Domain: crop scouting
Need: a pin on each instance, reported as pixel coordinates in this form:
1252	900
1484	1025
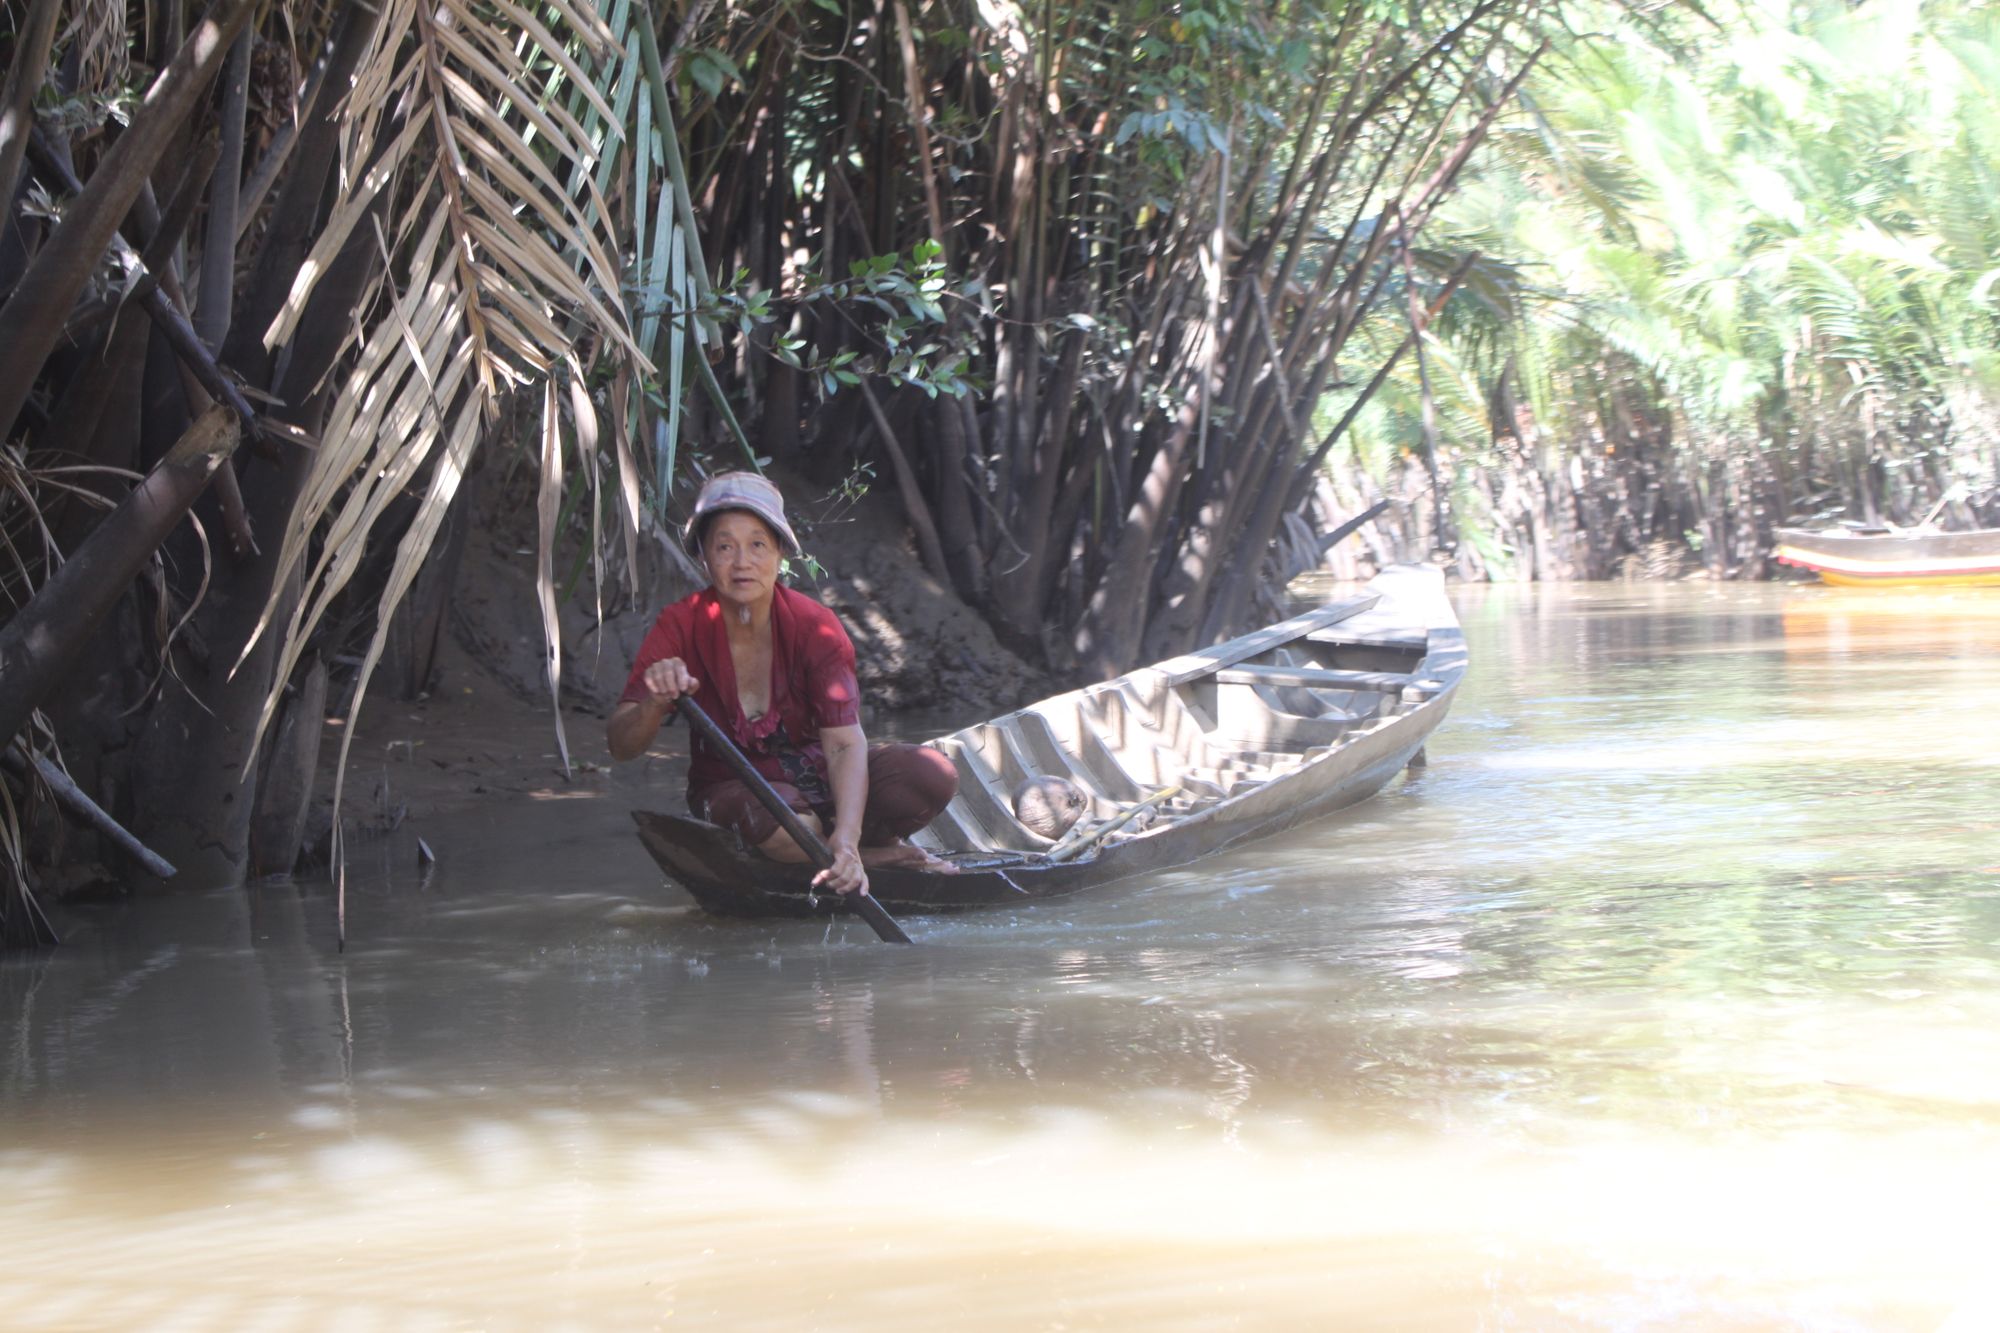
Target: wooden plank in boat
1109	768
1414	605
1193	666
1055	761
1354	708
948	832
979	801
1416	640
1119	745
1324	678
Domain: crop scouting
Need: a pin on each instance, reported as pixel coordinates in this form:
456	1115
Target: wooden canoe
1928	559
1255	735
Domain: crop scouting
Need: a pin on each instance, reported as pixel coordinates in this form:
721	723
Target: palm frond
459	143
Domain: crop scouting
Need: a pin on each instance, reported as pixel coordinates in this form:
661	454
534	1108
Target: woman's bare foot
903	856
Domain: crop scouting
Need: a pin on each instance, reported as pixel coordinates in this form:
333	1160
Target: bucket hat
739	490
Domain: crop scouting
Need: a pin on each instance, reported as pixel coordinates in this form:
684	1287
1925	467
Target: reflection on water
1667	996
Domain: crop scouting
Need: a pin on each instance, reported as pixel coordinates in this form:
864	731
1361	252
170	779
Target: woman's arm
847	774
635	722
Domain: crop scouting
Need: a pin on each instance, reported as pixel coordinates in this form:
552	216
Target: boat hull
723	877
1200	704
1948	559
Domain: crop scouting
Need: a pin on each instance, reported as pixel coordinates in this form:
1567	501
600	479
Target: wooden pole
869	910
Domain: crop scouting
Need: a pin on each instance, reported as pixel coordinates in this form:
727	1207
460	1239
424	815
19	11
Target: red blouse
812	681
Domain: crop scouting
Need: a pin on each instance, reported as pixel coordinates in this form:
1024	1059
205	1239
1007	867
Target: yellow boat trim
1853	573
1986	580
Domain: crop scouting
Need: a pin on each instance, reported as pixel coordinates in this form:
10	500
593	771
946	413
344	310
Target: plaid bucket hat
739	490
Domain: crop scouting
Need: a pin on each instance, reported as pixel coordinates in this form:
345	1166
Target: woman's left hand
846	874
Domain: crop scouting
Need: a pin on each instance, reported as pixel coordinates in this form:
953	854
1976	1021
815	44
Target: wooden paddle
876	915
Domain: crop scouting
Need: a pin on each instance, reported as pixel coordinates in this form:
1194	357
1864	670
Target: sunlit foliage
1753	282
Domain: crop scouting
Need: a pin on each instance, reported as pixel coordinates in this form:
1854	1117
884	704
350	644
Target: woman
775	669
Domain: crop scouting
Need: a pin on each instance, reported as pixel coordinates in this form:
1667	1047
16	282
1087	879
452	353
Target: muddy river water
1667	996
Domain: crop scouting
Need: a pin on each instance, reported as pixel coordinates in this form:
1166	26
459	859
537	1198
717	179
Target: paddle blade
877	917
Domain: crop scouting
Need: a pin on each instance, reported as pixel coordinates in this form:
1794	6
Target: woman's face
743	557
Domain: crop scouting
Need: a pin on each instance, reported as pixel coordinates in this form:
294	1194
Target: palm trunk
194	773
32	320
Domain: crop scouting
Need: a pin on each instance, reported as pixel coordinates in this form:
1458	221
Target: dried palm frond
23	922
486	195
32	489
96	31
548	507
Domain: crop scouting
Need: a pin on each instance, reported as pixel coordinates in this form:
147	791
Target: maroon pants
908	787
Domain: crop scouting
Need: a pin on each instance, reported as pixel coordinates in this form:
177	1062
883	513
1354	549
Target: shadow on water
1668	995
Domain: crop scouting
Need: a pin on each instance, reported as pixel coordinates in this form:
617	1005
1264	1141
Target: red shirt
812	681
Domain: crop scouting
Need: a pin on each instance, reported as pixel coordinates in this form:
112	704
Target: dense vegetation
1747	279
1129	303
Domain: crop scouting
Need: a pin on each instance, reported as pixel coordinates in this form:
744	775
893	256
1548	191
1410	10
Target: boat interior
1201	729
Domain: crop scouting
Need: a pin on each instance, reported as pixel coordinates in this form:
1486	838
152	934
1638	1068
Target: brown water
1667	997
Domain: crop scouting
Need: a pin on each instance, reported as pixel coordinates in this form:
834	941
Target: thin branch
32	319
914	506
17	103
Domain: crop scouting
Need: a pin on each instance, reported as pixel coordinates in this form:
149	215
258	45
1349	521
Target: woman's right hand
667	680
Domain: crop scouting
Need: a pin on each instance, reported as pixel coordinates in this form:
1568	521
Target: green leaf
706	73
